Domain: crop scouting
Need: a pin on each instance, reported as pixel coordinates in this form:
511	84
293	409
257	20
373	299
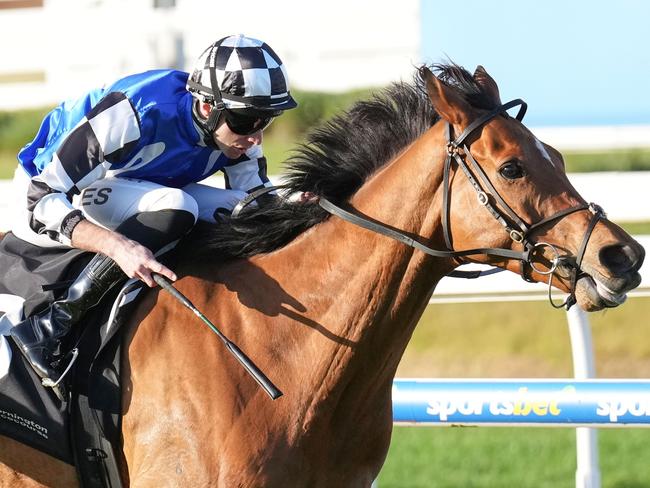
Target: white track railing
623	195
583	402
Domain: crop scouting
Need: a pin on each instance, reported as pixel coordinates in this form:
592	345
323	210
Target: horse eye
511	170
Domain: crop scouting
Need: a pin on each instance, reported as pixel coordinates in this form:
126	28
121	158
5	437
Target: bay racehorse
326	306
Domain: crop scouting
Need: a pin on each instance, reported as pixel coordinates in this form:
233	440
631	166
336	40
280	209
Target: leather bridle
518	230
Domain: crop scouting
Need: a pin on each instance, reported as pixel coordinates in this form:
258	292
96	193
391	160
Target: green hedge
314	108
17	128
615	160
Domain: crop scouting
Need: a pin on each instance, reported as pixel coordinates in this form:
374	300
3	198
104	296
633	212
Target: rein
518	230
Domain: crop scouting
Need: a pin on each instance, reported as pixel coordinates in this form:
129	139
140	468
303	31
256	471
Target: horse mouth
595	292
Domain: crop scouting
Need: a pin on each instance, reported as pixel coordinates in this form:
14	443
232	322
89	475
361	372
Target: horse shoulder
169	389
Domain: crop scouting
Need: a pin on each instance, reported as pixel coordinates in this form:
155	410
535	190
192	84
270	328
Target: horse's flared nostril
622	258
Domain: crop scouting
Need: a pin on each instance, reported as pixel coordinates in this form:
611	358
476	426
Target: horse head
513	194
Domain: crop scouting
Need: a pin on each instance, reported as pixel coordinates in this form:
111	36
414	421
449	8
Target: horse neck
368	290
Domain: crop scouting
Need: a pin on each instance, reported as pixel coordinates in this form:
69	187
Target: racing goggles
245	125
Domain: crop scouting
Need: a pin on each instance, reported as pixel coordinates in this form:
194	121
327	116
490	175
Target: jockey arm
108	132
135	260
248	173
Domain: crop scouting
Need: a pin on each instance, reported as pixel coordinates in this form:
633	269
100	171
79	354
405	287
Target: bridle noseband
487	195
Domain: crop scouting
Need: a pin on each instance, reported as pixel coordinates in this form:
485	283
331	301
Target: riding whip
244	360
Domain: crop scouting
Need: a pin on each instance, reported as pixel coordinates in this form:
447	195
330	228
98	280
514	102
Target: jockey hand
307	197
139	262
135	260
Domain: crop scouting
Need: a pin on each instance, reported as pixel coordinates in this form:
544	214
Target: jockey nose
256	138
622	258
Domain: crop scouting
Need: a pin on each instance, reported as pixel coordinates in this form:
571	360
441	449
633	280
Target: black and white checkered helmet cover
248	72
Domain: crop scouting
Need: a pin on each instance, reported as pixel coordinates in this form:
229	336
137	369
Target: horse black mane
334	162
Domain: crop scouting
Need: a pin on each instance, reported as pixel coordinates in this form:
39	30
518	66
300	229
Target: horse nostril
621	258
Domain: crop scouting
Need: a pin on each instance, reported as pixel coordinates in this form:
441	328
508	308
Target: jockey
116	172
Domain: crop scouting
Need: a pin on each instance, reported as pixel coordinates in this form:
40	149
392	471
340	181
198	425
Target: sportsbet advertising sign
596	403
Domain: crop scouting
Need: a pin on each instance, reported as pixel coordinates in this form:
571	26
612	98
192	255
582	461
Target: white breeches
110	201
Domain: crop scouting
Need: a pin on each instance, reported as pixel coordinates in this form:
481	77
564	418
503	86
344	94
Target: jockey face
231	143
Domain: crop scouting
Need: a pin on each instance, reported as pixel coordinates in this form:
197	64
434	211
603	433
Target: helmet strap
210	125
213	119
217	103
207	126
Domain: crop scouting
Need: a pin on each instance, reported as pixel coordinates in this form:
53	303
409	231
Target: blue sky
574	62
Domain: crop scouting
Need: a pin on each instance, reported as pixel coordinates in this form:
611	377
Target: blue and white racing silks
139	127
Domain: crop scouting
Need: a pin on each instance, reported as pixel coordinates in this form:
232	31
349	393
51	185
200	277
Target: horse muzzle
606	285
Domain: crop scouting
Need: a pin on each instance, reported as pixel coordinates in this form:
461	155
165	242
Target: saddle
83	426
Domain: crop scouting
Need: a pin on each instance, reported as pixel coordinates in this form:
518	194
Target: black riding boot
40	337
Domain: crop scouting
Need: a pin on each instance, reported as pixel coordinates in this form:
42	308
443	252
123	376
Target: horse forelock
334	162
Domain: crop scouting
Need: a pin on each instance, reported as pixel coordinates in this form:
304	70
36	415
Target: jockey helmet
241	74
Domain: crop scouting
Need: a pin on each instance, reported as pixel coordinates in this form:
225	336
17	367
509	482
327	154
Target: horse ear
487	83
447	101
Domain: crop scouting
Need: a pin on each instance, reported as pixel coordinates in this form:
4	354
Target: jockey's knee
222	203
156	229
169	199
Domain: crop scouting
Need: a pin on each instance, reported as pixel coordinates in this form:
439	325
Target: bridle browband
518	230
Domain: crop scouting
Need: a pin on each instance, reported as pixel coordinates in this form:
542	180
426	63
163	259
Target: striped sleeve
248	172
107	134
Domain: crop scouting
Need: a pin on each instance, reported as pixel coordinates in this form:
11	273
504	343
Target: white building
53	49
